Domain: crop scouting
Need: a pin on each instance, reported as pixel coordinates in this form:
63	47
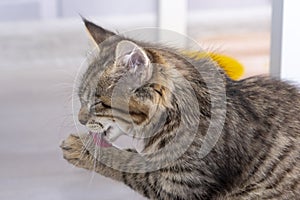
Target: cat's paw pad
73	149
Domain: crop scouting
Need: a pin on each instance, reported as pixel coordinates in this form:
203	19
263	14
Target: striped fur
256	157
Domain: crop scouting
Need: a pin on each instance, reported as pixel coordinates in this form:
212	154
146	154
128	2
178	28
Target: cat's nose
83	115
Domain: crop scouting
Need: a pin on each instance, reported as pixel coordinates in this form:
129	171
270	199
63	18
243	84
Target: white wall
290	62
17	10
229	4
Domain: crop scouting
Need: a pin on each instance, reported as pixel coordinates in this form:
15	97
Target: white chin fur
114	132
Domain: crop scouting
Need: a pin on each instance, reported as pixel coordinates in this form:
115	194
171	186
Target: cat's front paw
74	151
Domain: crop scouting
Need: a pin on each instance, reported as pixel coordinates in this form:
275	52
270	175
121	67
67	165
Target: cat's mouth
100	139
106	136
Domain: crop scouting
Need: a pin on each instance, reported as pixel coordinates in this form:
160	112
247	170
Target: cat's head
125	88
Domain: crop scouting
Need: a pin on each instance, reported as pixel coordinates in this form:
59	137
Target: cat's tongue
99	140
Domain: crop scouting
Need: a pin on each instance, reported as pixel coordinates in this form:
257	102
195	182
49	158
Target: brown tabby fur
256	157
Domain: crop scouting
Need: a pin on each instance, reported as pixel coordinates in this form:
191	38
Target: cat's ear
135	59
97	33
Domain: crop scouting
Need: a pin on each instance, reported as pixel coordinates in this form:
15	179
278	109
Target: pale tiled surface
37	69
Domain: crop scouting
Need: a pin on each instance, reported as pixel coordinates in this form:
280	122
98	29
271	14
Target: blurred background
42	45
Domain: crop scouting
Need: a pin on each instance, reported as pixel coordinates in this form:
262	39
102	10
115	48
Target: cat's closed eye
97	103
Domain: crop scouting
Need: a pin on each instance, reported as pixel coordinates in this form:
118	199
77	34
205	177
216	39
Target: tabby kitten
154	92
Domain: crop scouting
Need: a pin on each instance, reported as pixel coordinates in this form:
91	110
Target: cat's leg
75	153
151	184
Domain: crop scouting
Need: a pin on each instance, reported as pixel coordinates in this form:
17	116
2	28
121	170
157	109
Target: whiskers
95	156
96	159
94	151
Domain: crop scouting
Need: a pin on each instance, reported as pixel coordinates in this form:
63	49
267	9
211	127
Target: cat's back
267	100
269	123
267	93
